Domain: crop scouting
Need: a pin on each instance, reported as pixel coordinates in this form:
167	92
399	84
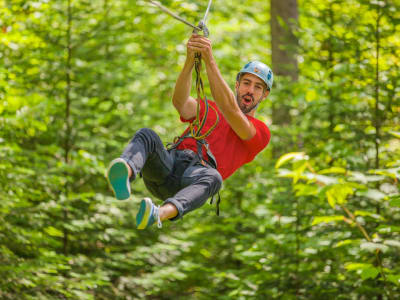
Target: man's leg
168	211
200	183
145	152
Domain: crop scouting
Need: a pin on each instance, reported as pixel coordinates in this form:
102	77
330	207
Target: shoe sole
144	213
118	178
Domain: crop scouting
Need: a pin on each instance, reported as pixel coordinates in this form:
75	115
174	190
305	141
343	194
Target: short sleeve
202	108
260	140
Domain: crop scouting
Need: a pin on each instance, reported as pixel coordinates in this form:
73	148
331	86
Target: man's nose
251	89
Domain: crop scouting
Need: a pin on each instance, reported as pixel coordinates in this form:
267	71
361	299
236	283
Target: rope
196	132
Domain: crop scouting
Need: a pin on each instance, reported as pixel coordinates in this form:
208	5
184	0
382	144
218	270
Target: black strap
218	202
200	143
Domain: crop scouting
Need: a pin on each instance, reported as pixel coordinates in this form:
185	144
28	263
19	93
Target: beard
246	108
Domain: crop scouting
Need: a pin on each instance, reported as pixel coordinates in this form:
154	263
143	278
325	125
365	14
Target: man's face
250	91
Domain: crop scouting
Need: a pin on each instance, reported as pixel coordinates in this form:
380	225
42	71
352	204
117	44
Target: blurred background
315	216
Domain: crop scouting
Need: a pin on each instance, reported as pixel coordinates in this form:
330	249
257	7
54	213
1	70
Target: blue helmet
259	69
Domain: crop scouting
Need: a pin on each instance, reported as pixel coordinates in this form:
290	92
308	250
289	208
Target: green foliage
78	78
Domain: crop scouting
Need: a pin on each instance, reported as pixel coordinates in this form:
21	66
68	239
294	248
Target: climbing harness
196	127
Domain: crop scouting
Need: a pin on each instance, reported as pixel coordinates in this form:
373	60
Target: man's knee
148	132
215	179
149	137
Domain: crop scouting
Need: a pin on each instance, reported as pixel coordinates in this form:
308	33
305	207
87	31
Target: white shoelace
157	215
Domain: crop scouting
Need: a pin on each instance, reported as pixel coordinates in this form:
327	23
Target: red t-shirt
229	150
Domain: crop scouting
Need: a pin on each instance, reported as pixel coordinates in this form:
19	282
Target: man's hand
200	44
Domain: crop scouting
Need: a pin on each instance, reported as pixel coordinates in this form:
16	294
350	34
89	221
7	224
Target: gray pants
169	175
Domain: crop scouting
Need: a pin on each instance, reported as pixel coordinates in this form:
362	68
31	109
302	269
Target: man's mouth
247	99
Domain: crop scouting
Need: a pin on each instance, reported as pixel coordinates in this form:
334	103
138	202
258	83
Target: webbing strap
218	202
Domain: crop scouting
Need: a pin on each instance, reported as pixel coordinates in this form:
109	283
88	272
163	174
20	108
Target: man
185	177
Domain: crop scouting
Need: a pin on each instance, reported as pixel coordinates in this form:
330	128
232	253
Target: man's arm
222	94
184	104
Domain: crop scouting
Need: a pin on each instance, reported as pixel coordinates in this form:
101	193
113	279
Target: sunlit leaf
305	189
337	194
357	266
345	243
395	133
288	157
54	232
368	214
333	170
311	95
326	219
392	173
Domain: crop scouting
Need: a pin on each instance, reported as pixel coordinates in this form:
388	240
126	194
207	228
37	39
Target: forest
316	215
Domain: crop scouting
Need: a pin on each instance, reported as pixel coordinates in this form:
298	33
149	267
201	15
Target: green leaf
311	95
338	193
333	170
339	128
394	278
368	214
395	202
395	133
288	157
391	173
54	231
305	190
326	219
298	172
370	272
388	229
357	266
345	243
331	198
366	271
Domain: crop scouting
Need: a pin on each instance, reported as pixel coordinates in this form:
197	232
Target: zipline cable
172	14
206	14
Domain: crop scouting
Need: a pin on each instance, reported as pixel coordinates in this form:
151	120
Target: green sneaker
148	214
117	176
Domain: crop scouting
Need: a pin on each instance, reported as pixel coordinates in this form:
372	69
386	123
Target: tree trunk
284	21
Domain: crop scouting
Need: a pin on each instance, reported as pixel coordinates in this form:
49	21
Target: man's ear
237	84
266	93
